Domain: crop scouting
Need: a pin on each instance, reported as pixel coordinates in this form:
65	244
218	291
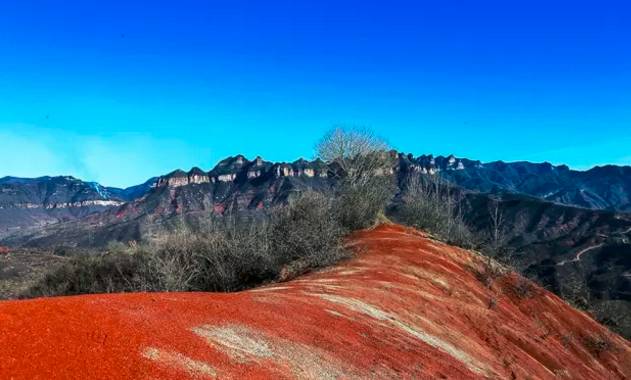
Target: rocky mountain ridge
606	187
229	169
242	183
602	187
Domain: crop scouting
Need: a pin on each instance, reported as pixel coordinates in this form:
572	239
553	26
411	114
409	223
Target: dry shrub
598	344
487	271
228	254
362	166
359	204
431	204
306	234
98	273
523	288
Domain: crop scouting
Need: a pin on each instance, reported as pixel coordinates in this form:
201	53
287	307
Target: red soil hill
405	307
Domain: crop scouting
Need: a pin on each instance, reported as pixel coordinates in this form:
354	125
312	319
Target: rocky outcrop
228	170
174	179
180	178
231	168
51	206
197	176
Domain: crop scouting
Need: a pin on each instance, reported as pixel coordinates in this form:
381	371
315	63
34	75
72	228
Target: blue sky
120	91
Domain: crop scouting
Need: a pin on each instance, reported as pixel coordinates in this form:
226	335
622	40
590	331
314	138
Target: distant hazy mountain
26	202
606	187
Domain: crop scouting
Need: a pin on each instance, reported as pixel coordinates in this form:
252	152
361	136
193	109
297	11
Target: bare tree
497	228
350	148
357	153
363	164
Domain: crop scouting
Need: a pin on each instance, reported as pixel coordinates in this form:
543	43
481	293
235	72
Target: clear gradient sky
119	91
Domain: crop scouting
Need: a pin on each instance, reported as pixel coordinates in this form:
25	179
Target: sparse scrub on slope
305	234
358	205
431	205
228	254
98	273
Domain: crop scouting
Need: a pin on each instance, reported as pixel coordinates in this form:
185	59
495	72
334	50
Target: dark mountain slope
35	202
607	187
583	255
32	203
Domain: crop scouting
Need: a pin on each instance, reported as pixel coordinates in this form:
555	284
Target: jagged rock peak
238	160
197	175
181	178
431	164
175	178
196	171
179	173
301	163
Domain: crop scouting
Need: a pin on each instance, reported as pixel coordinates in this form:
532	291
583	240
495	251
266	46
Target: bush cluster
431	205
358	205
105	273
228	254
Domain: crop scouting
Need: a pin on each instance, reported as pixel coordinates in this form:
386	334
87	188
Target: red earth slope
405	307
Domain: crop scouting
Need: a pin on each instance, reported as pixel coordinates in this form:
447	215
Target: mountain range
49	210
42	201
